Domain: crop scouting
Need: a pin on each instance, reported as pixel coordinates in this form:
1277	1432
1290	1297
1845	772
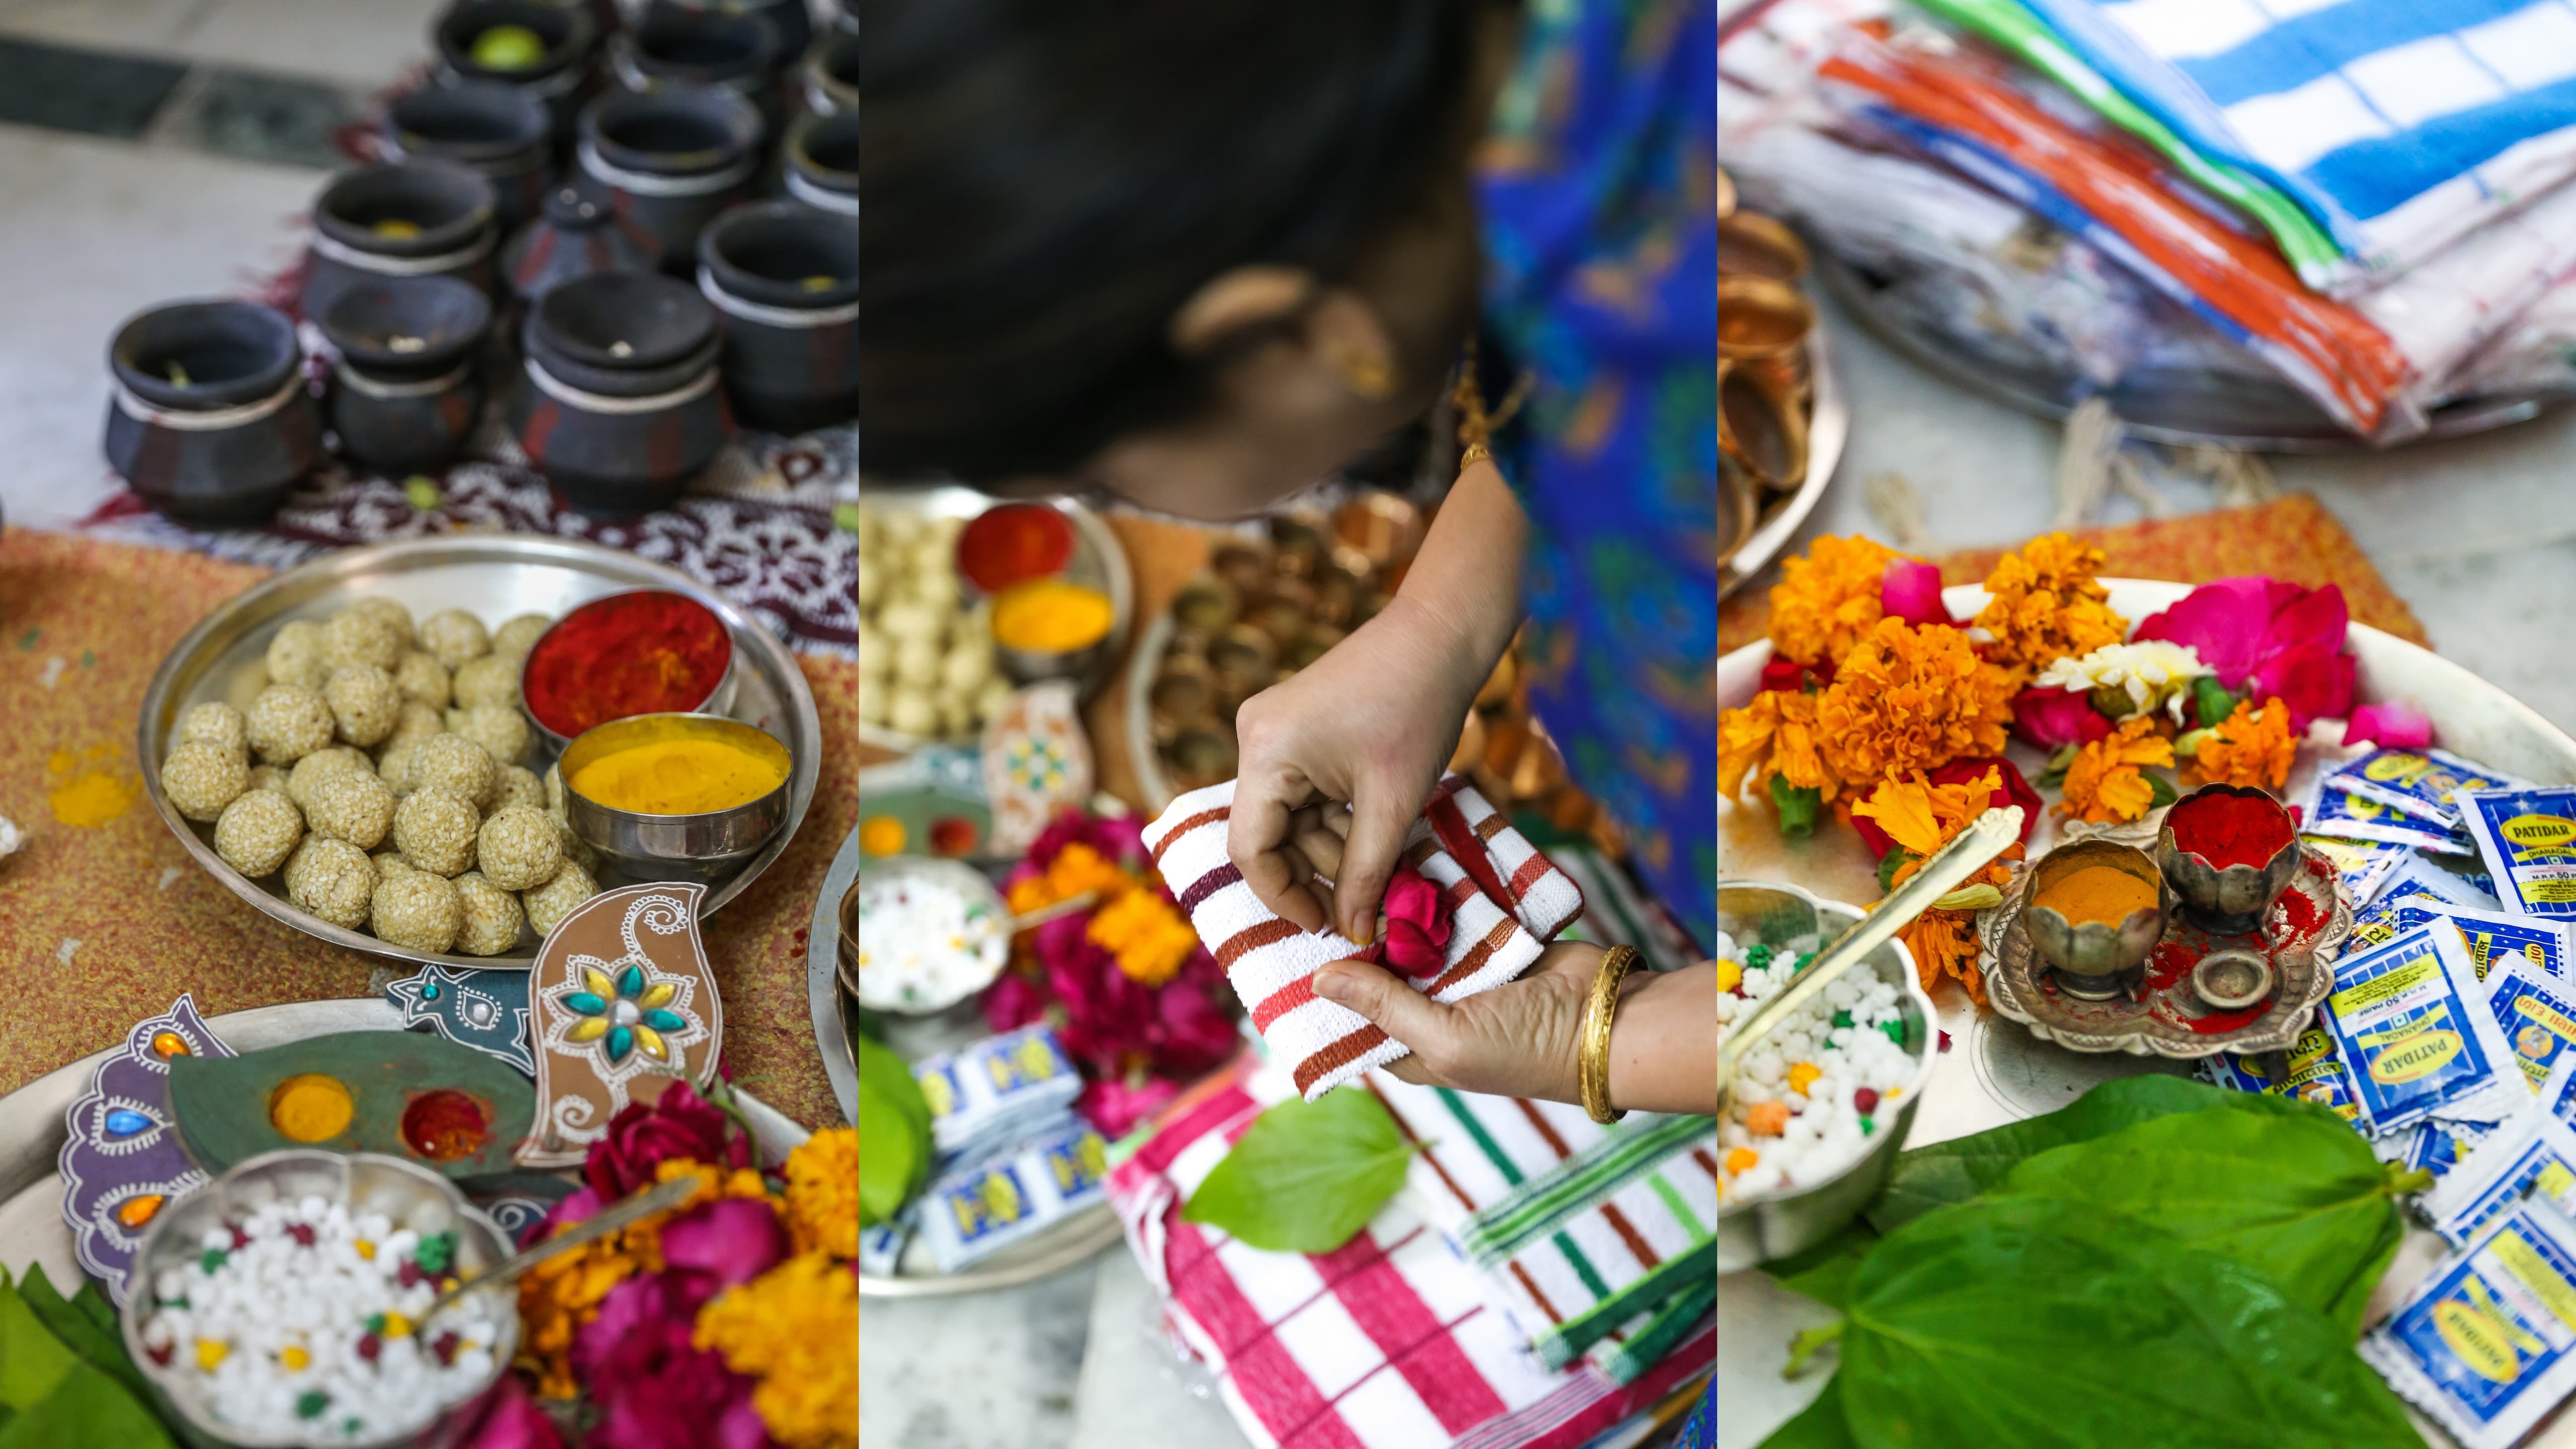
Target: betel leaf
1820	1425
32	1360
890	1152
87	1410
101	1348
887	1072
2024	1321
1307	1176
2299	1197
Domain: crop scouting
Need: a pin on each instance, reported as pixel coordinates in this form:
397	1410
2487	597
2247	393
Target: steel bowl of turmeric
1052	628
676	796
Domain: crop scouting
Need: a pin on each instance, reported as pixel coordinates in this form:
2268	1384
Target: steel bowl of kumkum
2094	910
645	651
2228	851
676	796
286	1304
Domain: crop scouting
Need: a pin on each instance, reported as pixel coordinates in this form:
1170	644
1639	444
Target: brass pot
1206	604
1753	245
1760	317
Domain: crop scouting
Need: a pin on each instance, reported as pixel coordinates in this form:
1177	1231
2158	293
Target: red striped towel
1505	901
1383	1343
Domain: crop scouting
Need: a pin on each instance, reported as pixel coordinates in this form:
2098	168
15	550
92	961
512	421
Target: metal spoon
642	1205
1964	856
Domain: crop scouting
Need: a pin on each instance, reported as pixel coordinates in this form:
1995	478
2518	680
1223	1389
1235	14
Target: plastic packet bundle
997	1089
2536	1016
969	1214
2364	865
2486	1344
2409	1020
2424	783
2532	1153
2528	839
2315	1073
2331	809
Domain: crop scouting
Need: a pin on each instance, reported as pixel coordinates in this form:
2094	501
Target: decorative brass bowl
2231	901
2093	959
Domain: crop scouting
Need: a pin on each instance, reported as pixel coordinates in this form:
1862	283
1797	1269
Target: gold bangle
1592	1054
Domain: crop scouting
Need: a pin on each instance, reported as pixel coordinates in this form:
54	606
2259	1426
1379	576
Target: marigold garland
1828	601
2044	605
823	1193
2105	781
1909	698
1774	735
794	1328
2250	747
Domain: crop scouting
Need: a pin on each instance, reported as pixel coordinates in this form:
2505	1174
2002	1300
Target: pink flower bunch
653	1389
2265	639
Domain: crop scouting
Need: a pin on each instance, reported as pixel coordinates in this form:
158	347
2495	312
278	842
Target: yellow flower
1075	869
1944	943
1922	816
823	1193
2250	747
795	1329
1828	601
1146	934
1774	735
1909	699
2044	606
2104	782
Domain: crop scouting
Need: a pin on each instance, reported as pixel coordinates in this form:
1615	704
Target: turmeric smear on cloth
89	797
678	777
2098	893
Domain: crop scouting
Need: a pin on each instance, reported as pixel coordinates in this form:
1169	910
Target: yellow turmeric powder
1050	616
2097	893
311	1107
684	776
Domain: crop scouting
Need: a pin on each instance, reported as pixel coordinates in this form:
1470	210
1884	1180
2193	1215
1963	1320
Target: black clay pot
832	74
790	20
680	45
499	133
823	164
617	403
556	78
671	159
787	279
209	419
406	395
577	236
399	219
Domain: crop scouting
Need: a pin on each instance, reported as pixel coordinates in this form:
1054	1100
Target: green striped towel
1595	1239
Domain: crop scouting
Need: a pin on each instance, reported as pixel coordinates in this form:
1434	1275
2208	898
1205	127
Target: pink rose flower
731	1240
1192	1031
2396	725
2267	639
1417	930
1115	1107
1911	590
1015	1001
652	1388
681	1124
2046	719
512	1420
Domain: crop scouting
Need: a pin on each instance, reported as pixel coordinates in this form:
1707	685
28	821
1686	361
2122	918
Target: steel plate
494	576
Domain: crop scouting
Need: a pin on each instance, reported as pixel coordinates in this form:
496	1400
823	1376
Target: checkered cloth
1504	898
1588	1235
2400	125
1383	1343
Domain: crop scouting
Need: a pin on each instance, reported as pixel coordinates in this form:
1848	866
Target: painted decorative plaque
123	1161
485	1010
1037	761
625	1005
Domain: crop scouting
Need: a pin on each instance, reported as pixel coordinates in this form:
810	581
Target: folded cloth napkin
1596	1239
1383	1343
1502	899
2400	125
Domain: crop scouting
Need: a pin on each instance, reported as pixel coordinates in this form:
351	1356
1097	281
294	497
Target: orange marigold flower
1827	601
2106	780
2250	747
1774	735
1922	816
1944	943
2045	606
1909	698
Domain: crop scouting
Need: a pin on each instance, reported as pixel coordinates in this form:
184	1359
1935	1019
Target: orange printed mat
105	919
2293	539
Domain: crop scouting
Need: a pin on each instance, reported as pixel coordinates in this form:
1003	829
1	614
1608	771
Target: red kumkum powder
649	652
2230	830
445	1124
1012	544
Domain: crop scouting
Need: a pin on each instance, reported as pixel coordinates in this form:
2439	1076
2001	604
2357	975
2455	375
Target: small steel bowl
1199	758
1080	664
2233	901
412	1196
2232	980
1246	565
1207	604
674	847
719	700
1182	695
966	881
1244	653
2093	958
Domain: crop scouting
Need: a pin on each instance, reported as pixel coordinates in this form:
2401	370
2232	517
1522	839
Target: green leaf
2210	701
2024	1321
94	1304
1823	1272
87	1410
1820	1425
2054	773
101	1348
32	1360
890	1153
2164	793
1889	864
892	1080
2298	1197
1307	1176
1797	806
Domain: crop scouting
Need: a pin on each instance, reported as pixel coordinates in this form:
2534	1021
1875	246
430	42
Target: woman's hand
1372	723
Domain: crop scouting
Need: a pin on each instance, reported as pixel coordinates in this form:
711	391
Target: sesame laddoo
520	635
423	680
500	729
395	616
548	904
575	849
492	679
489	916
288	722
555	792
454	762
258	831
394	761
518	785
215	724
387	863
364	703
417	721
331	879
315	767
202	778
455	636
354	636
434	829
351	805
416	910
518	848
267	777
295	656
